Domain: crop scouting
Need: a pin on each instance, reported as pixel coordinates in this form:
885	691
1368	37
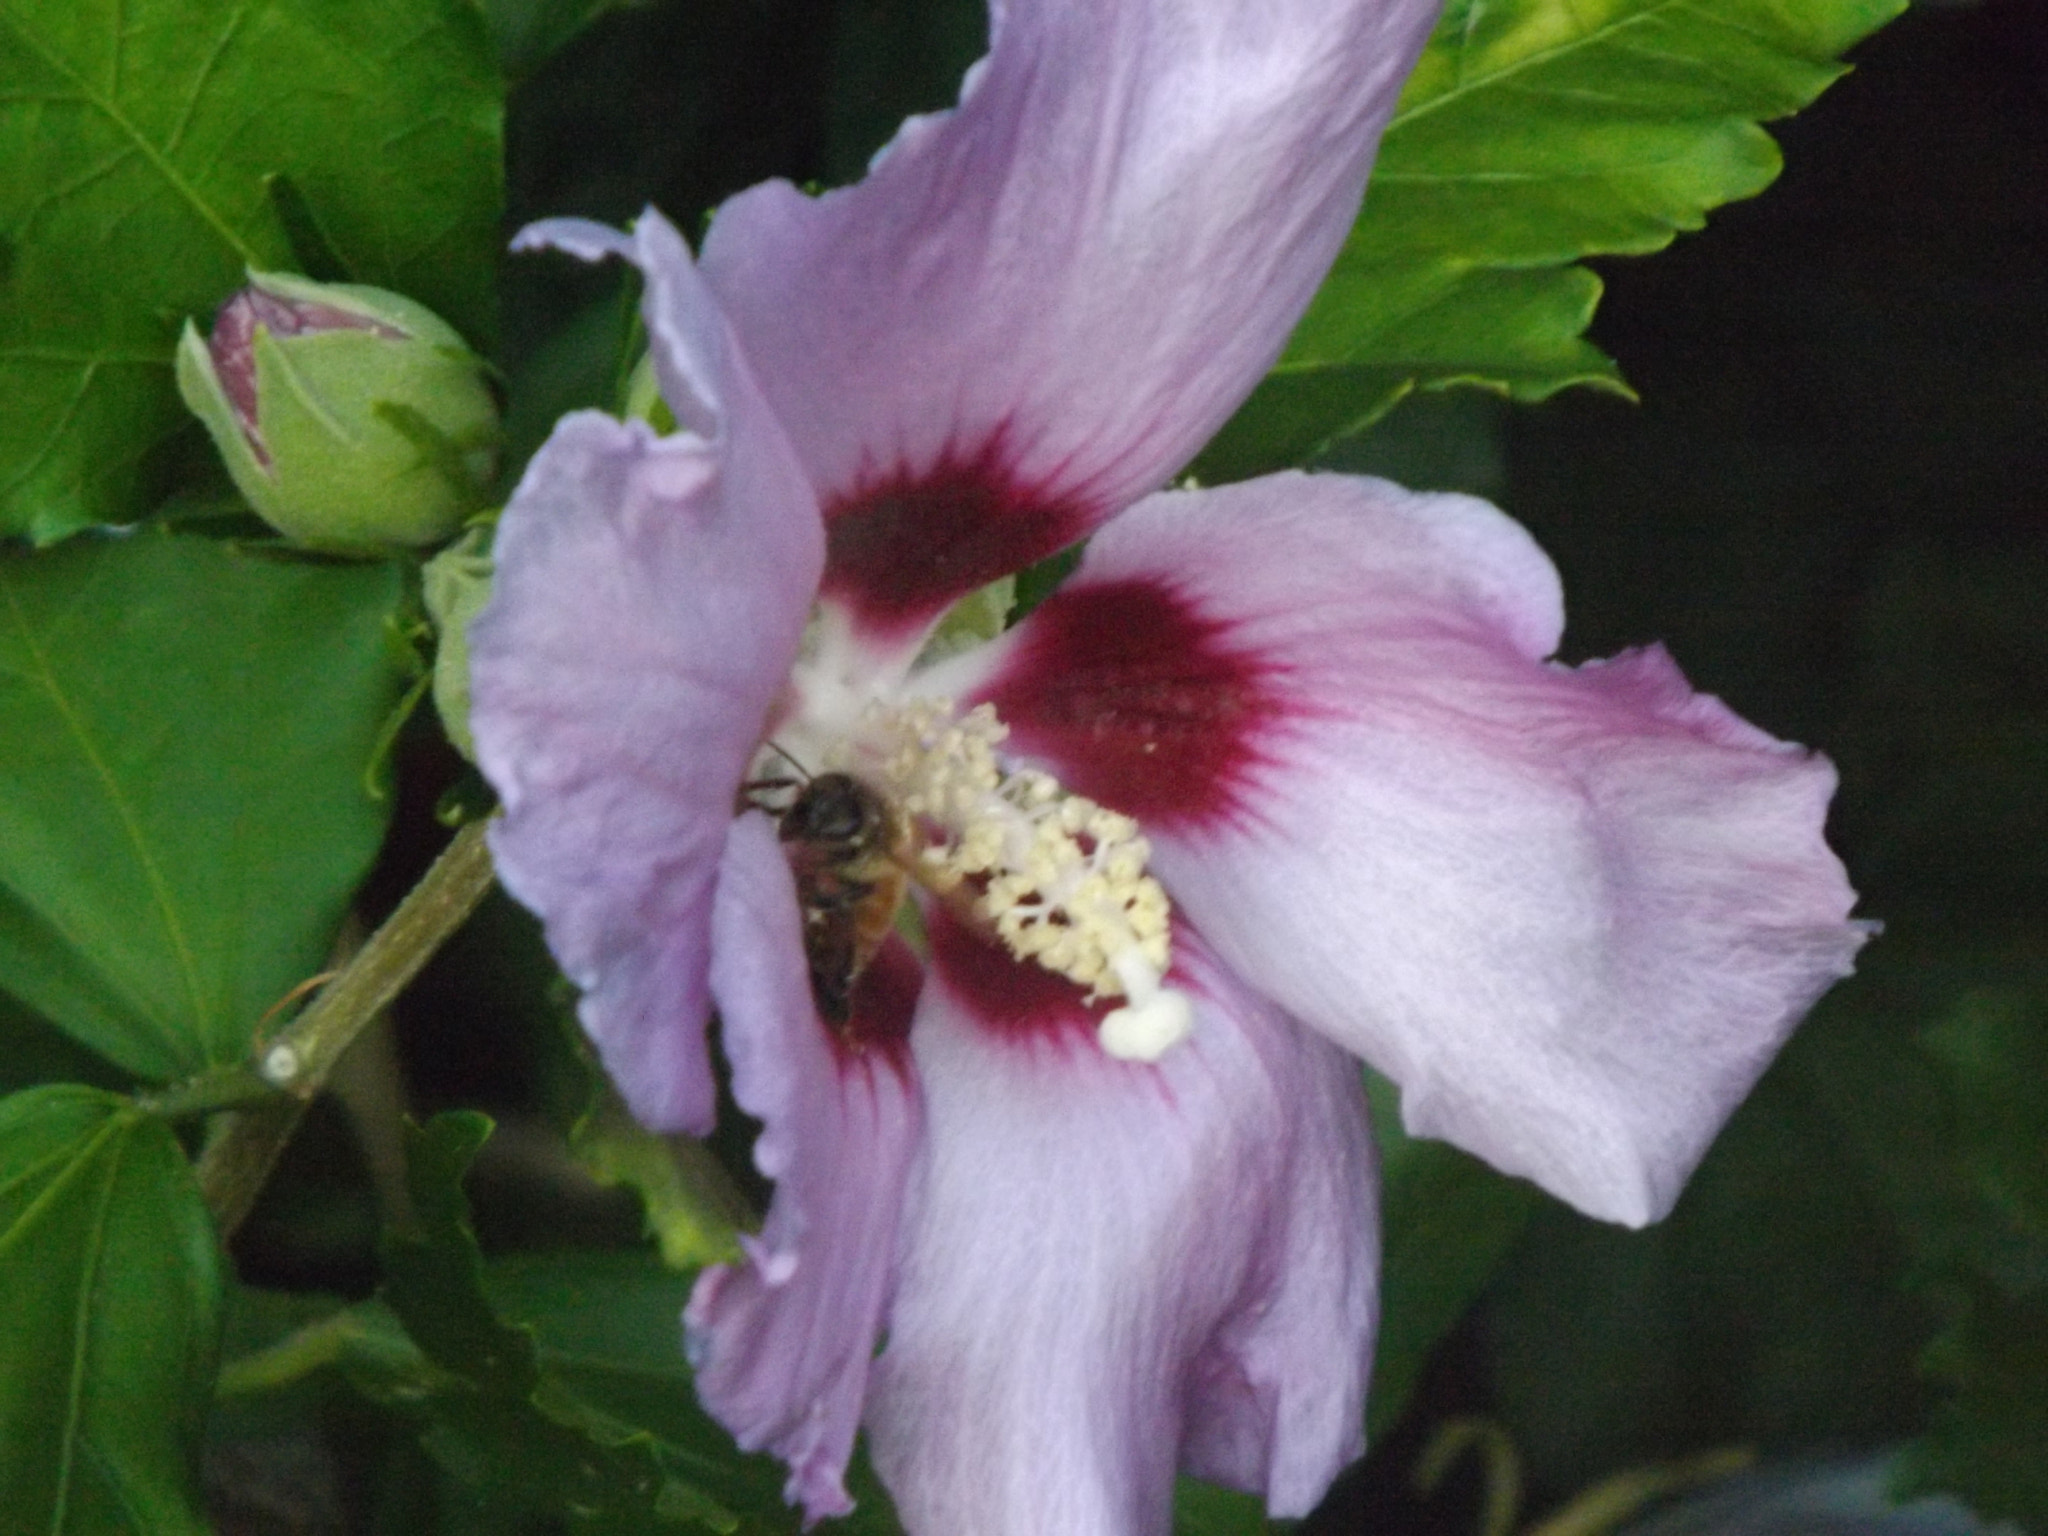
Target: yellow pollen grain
1062	881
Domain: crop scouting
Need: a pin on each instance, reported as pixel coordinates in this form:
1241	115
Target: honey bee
843	842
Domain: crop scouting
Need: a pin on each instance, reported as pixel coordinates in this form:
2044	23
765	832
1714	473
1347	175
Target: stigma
1051	876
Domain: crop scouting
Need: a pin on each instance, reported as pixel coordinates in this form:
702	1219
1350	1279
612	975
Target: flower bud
347	415
455	585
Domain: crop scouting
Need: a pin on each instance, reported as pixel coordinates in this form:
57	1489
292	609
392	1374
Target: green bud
456	584
347	415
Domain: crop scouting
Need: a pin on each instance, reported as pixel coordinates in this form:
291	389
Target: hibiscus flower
1282	772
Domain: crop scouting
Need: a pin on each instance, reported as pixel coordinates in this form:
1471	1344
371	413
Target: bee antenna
789	758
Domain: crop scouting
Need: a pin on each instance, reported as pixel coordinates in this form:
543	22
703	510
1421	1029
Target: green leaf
1765	1310
1986	1442
434	1277
146	142
1933	1065
110	1284
33	1050
1447	1221
603	1333
1934	1068
1203	1509
607	1328
520	1440
183	731
1532	133
694	1213
1984	1253
1994	1047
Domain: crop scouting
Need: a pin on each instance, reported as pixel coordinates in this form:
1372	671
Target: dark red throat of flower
1143	701
882	1002
902	548
1012	998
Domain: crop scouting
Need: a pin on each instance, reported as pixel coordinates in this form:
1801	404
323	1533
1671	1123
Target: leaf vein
62	1154
159	887
80	1160
1468	41
158	159
120	39
56	434
206	72
78	183
1588	36
81	1336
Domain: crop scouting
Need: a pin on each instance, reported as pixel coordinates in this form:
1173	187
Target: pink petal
1572	912
649	598
1112	1270
1039	305
782	1342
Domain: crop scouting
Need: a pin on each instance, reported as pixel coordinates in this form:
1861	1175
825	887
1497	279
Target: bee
843	842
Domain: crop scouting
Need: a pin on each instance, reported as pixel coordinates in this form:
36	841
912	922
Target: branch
238	1160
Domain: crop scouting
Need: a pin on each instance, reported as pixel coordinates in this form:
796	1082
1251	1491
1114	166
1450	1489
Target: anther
1057	879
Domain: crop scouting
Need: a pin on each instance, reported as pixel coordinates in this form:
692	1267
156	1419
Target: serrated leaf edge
1648	13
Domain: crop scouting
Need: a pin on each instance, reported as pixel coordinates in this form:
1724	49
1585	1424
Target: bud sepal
347	415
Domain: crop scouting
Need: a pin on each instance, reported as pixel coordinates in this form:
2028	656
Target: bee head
834	810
